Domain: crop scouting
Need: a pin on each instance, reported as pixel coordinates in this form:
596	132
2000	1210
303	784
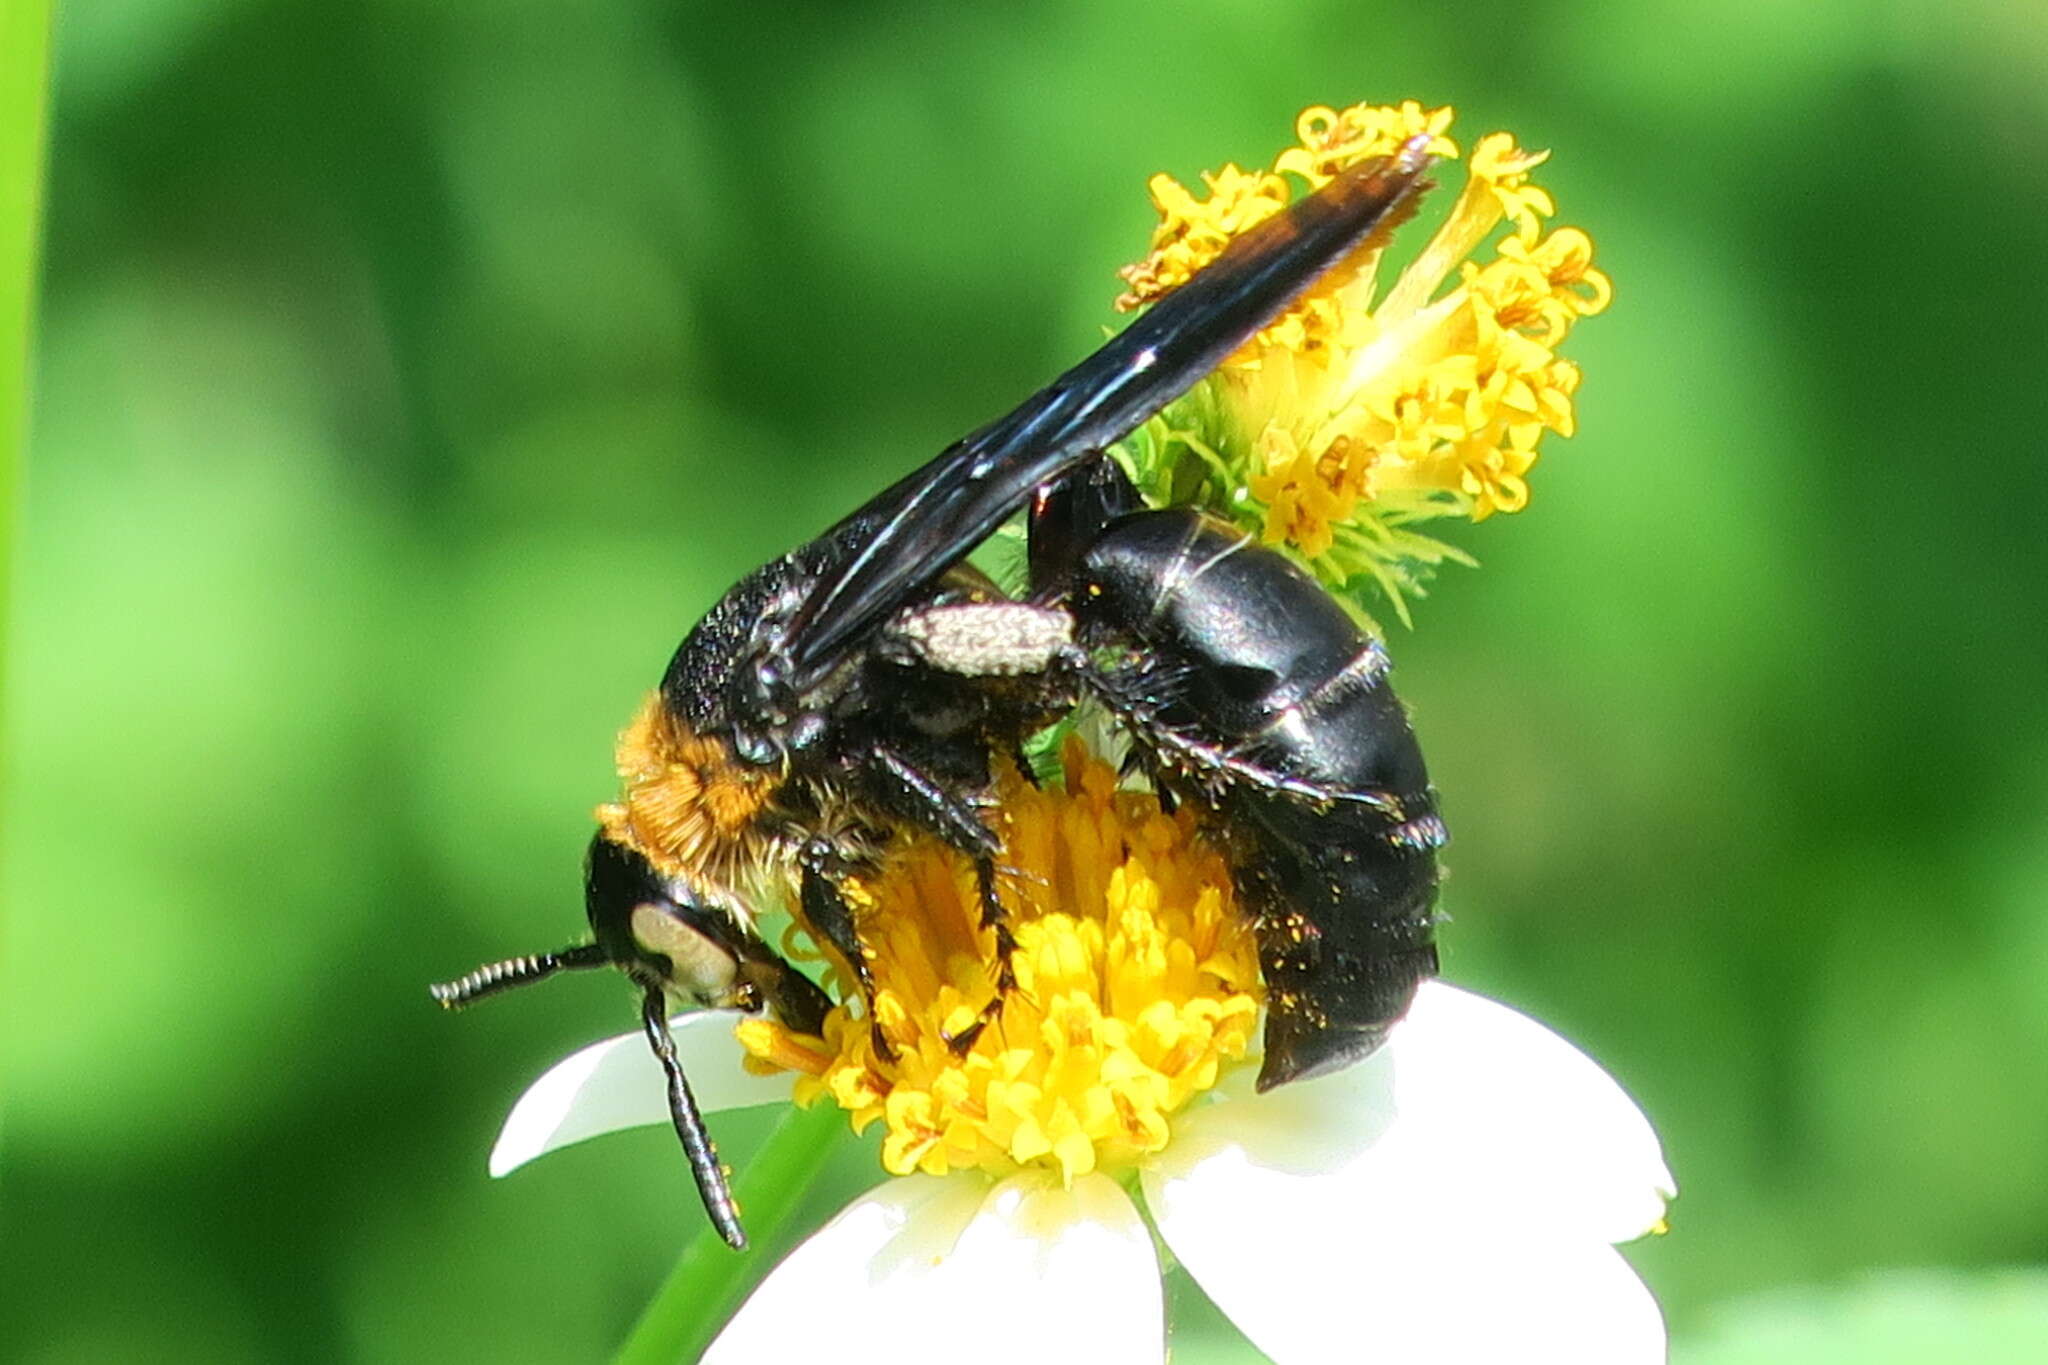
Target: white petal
951	1267
1311	1275
1553	1131
1473	1108
1450	1198
618	1084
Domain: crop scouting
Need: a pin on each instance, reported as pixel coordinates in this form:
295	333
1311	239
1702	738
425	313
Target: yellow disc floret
1136	981
1373	404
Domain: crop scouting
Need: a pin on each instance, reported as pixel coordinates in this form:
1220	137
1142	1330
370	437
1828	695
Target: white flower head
1454	1197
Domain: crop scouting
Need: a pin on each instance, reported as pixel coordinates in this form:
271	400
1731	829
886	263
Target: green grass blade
24	81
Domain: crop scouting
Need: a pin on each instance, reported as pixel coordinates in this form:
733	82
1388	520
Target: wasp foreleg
830	917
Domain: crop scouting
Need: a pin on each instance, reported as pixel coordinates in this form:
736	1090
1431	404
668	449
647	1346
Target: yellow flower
1136	981
1332	139
1459	1190
1373	404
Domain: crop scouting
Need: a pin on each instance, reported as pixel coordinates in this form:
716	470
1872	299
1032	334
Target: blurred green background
412	375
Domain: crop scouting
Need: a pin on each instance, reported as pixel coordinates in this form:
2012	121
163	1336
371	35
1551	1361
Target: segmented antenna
515	971
682	1108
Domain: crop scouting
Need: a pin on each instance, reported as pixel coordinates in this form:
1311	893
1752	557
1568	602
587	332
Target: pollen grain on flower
1136	982
1374	404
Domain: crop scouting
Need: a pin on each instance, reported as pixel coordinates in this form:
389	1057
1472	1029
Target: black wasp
867	681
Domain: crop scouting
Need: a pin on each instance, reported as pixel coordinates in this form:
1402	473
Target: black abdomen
1254	693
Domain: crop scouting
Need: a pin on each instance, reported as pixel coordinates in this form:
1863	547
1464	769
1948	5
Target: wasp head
663	934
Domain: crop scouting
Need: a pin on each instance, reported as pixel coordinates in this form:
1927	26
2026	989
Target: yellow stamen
1193	232
775	1048
1136	984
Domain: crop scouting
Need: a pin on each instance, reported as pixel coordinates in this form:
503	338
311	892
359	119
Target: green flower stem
24	79
708	1281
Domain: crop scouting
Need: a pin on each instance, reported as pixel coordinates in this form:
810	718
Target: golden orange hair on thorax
690	807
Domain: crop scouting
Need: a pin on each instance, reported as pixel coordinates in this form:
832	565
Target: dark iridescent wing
926	522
